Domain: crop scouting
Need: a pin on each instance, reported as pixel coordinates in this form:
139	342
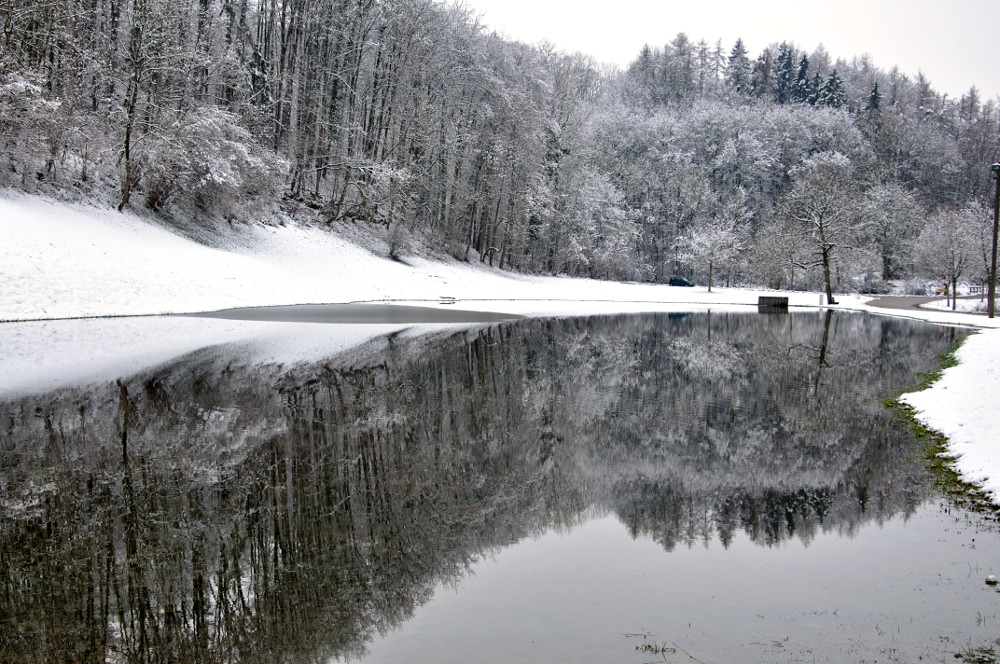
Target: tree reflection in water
214	510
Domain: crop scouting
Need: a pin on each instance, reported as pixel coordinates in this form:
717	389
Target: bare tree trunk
826	276
136	58
127	183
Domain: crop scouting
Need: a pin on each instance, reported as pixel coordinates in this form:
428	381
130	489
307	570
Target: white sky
955	43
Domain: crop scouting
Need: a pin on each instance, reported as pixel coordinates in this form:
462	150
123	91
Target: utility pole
993	257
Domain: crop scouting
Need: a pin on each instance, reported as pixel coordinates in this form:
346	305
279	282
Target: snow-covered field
71	261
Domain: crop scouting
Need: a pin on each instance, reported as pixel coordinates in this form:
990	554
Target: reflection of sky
46	355
573	597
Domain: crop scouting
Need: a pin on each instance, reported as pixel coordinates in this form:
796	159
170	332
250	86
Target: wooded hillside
413	118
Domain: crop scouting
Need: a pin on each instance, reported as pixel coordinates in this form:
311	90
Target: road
900	301
914	302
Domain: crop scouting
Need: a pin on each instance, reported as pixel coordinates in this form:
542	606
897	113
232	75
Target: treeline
413	118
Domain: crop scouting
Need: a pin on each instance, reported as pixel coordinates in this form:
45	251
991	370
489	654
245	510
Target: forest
414	121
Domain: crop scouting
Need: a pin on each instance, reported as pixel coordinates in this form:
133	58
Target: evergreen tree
641	75
762	84
832	93
803	90
738	72
814	87
785	74
392	111
874	104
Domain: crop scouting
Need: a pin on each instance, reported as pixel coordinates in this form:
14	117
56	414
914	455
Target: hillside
66	261
414	120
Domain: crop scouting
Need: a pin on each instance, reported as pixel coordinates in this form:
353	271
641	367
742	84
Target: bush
205	159
29	131
875	287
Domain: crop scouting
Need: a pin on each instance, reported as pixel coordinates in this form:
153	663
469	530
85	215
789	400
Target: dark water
718	488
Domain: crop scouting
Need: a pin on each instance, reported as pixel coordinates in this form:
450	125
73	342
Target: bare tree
821	209
946	247
981	222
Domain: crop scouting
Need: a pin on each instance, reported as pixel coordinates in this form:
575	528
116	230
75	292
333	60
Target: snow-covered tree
874	102
892	215
946	247
738	70
409	112
762	80
204	159
981	220
28	131
784	74
832	93
717	243
820	208
779	255
803	90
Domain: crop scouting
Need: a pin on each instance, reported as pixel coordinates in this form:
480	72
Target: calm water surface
717	488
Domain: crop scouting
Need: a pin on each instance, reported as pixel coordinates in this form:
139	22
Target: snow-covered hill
65	261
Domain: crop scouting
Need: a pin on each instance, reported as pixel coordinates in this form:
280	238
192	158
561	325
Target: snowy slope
64	261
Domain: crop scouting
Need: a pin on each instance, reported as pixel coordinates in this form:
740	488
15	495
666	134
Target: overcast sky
955	43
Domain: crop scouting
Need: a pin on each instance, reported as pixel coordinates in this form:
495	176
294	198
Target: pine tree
874	100
803	90
814	89
785	74
832	93
738	69
762	84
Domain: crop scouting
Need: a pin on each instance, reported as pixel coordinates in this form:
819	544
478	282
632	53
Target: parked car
680	281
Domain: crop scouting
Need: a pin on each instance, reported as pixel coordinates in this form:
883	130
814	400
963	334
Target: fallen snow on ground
72	261
964	305
64	261
962	405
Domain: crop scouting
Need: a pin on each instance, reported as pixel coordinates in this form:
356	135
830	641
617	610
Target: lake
684	487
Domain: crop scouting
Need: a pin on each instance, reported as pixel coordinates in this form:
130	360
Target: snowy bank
72	261
962	405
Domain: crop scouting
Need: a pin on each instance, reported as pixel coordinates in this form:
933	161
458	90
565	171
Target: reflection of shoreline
357	313
39	356
717	602
291	508
42	356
